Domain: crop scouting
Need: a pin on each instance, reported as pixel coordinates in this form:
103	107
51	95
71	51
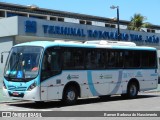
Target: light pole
113	7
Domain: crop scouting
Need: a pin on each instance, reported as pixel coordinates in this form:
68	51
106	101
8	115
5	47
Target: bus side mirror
1	58
2	55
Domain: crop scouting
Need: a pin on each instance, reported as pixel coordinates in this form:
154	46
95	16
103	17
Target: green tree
137	22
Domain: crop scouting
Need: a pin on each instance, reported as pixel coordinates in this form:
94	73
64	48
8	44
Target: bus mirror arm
2	55
1	58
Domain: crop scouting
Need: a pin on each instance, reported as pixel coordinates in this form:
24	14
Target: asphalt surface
4	99
146	101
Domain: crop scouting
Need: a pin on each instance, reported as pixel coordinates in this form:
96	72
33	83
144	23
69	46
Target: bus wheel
70	95
132	90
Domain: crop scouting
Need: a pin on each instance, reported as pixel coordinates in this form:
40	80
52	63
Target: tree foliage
137	22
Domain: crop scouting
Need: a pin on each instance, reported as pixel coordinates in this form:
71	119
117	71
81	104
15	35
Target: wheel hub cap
71	95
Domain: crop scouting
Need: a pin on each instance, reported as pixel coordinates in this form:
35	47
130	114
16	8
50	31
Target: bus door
49	74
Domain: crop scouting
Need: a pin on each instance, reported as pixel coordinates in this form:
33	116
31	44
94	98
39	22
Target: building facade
20	24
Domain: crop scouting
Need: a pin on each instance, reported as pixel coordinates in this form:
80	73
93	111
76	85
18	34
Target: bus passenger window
51	63
46	63
73	59
95	59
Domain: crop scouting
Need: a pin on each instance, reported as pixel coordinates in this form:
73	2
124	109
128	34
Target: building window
88	23
151	30
113	26
2	13
107	25
148	30
110	25
36	16
53	18
82	22
61	19
10	14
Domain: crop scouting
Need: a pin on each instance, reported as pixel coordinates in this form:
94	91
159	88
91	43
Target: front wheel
70	95
132	90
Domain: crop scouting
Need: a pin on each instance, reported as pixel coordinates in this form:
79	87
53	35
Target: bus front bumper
32	95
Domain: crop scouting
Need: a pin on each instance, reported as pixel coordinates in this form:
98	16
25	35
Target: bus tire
70	95
132	90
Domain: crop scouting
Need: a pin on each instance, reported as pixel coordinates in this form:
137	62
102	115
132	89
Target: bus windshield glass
23	63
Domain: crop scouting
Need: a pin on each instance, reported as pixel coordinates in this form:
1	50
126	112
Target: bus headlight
4	86
33	85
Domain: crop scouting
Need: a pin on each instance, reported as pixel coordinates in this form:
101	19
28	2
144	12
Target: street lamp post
113	7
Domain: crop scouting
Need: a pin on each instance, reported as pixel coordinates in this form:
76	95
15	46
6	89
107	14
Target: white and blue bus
46	71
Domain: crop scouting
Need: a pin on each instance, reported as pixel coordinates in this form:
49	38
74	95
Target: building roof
44	11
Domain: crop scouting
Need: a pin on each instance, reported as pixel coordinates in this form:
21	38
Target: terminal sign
31	27
63	30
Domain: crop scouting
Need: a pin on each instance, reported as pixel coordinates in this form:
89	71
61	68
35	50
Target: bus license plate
15	93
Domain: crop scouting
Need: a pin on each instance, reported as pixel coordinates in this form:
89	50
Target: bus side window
50	63
91	59
148	59
73	58
111	59
55	62
46	62
127	58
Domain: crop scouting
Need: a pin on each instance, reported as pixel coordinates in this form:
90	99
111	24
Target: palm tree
137	22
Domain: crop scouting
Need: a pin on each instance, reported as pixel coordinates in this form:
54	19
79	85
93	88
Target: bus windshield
23	63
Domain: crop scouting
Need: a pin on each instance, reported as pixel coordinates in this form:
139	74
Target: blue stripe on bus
91	84
118	84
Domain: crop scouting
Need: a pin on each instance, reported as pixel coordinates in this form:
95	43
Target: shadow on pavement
58	104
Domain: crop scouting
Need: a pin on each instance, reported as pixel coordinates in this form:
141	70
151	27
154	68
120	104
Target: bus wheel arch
132	88
71	92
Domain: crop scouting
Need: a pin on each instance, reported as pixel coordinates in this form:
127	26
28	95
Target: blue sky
147	8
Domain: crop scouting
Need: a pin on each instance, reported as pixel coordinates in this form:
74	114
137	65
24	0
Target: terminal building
20	24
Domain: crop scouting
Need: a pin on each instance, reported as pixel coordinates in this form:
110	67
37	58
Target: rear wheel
70	95
132	90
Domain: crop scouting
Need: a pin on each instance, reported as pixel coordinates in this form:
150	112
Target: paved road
144	102
3	99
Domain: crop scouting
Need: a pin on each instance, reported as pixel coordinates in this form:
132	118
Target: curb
151	91
2	102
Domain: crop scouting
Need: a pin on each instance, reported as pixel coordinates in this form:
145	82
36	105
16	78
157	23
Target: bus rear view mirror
2	55
1	58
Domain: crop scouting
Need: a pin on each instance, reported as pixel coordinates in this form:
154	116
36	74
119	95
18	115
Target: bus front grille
17	88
